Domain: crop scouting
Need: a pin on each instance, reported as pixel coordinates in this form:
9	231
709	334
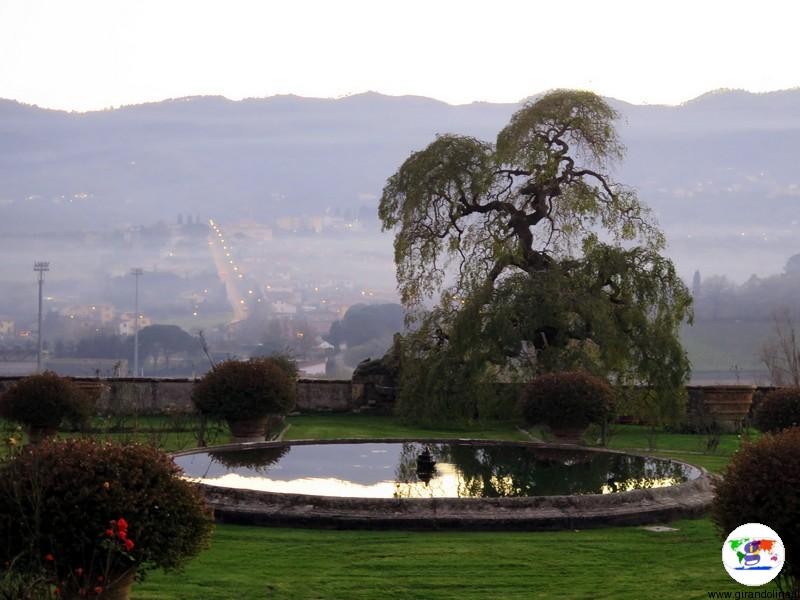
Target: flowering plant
110	566
60	507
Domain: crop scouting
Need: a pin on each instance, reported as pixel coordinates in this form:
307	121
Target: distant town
208	290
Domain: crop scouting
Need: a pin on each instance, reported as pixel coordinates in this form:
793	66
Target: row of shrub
565	401
234	391
244	390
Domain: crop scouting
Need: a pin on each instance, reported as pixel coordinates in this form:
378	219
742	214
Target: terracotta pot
728	405
248	430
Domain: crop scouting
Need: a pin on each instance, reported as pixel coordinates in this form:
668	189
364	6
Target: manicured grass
636	436
320	427
171	434
692	448
615	563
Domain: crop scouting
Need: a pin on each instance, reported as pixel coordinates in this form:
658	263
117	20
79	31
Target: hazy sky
91	54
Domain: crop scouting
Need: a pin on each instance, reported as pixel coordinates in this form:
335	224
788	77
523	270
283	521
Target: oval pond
450	469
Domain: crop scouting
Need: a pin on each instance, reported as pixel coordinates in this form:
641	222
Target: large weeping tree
539	262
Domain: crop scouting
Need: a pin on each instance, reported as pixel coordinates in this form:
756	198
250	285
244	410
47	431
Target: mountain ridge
292	155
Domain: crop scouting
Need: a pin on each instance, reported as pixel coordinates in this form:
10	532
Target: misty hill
726	157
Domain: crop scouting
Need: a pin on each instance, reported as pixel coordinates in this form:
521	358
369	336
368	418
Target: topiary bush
92	513
241	390
43	401
761	484
780	409
570	400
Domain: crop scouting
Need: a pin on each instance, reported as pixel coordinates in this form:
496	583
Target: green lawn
613	563
319	427
681	446
171	434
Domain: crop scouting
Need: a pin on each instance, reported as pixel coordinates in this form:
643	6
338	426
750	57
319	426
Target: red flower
49	557
110	532
57	591
123	534
98	590
122	524
128	545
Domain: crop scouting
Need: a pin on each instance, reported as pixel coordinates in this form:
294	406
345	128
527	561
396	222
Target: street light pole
40	268
136	272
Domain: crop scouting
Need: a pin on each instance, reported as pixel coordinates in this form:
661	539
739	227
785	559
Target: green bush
87	512
240	390
780	409
44	401
762	485
568	400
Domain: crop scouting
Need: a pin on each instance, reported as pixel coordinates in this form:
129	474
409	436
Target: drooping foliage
541	262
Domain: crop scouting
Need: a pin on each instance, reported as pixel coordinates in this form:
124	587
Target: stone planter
728	405
248	430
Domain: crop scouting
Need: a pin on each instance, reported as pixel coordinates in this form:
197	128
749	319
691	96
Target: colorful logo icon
753	554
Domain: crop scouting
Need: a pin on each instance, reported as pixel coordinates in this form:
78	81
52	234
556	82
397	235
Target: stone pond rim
690	499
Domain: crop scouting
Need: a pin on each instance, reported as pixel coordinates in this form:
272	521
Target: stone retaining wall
151	396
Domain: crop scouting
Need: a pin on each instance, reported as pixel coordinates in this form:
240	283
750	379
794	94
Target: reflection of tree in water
643	473
255	459
499	471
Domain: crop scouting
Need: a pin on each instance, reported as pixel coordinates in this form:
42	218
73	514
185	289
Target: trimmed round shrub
761	484
571	400
779	410
44	401
87	512
241	390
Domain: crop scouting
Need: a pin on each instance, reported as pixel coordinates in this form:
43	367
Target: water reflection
448	470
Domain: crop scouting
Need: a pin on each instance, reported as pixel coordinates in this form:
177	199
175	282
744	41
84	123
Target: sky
94	54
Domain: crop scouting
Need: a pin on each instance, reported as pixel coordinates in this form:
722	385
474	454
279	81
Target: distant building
283	309
103	313
254	230
7	328
127	323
